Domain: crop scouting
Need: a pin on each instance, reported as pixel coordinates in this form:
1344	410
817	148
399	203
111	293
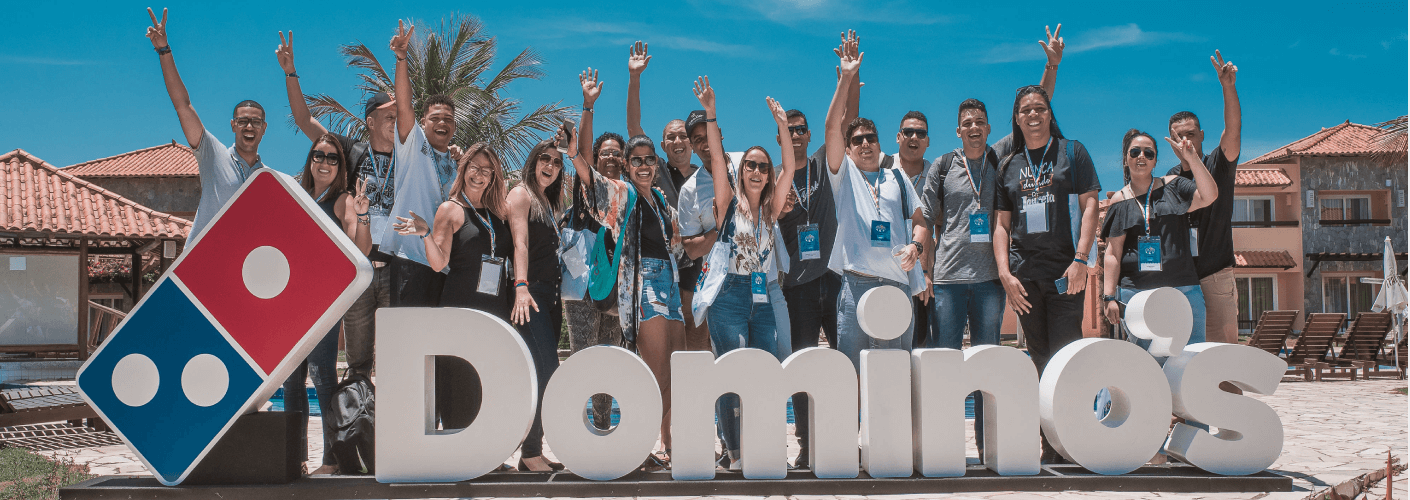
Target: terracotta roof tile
166	160
38	197
1264	259
1346	139
1261	177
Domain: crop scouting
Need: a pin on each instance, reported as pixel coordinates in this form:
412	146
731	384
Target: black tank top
543	252
468	246
329	201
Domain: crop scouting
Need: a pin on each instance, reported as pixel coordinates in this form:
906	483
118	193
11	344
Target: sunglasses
1136	152
610	153
326	158
638	161
918	133
756	166
797	129
550	159
857	140
471	170
249	122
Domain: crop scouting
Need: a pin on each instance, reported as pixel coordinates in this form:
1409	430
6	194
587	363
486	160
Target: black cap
696	117
376	101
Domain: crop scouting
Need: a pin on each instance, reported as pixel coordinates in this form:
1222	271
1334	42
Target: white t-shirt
857	208
424	178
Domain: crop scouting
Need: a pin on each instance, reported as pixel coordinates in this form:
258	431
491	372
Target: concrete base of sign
1163	479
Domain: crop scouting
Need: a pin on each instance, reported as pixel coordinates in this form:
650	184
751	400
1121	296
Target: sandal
552	466
656	462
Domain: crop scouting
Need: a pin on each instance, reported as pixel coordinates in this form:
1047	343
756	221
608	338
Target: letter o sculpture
583	448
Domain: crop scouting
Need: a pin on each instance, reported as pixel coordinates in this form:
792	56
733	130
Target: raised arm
1053	49
592	87
580	164
785	176
850	62
302	118
724	192
1233	117
636	63
854	97
190	123
406	116
1206	190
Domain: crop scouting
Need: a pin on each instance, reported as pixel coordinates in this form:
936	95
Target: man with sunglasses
222	169
371	161
1212	226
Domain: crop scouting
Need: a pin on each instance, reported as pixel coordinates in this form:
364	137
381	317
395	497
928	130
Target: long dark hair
543	207
1126	145
1020	143
765	196
340	179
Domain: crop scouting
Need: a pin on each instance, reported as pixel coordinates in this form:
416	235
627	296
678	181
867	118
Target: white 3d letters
409	448
763	387
583	448
1164	317
1008	381
1140	405
886	430
1250	434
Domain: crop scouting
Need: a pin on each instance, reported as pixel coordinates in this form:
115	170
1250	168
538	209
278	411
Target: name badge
759	287
881	234
1148	247
491	269
979	227
1194	242
809	247
1036	217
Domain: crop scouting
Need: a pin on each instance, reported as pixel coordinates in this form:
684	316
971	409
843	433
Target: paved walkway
1333	431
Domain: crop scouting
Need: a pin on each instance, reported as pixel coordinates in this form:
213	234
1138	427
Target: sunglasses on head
1136	152
756	166
918	133
550	159
857	140
797	129
638	161
326	158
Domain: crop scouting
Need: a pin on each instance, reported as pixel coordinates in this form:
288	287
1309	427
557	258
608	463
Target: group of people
741	251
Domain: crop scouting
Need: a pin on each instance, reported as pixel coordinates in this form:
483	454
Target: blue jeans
981	307
1193	293
851	340
737	322
321	366
659	294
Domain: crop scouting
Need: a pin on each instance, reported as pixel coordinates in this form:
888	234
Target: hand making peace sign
1226	69
1053	47
157	31
401	41
285	52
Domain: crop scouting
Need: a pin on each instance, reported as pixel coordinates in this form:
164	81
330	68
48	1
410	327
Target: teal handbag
603	280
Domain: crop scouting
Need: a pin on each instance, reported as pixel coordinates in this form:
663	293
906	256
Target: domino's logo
225	326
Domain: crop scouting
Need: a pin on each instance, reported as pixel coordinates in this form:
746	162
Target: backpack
351	421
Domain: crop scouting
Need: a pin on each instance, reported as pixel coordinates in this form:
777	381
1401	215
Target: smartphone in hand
1061	284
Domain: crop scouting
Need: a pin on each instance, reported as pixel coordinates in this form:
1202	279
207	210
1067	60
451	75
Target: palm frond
335	116
1390	143
528	64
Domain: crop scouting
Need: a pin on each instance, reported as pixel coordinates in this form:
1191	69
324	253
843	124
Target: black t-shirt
1215	222
1047	254
376	168
814	206
653	242
1168	221
669	180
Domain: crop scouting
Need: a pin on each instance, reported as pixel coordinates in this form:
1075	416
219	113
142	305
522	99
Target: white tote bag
716	266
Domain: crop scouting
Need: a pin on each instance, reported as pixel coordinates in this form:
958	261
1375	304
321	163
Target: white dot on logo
266	272
205	380
135	380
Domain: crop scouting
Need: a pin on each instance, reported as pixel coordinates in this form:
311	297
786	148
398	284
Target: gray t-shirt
958	259
222	171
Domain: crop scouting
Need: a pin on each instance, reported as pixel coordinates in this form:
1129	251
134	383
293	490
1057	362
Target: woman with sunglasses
1148	236
648	297
471	236
534	209
747	207
324	178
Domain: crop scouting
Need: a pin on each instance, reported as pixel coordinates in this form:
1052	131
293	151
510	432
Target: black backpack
351	421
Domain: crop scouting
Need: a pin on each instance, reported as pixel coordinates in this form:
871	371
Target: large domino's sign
246	303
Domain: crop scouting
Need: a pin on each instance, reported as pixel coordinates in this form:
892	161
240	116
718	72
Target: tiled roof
1347	139
1264	259
166	160
1261	177
36	197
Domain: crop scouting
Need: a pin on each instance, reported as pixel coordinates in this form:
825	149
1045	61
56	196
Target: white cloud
790	12
1101	38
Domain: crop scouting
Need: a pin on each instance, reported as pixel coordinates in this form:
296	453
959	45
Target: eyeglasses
638	161
758	166
550	159
1136	152
857	140
797	129
918	133
610	153
331	159
249	122
484	171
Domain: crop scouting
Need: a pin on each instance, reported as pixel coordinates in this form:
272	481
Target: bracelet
364	214
399	58
519	283
163	50
292	74
428	233
1083	261
587	109
574	157
708	120
1108	298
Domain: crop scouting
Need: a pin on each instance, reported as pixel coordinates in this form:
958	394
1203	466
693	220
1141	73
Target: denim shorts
659	294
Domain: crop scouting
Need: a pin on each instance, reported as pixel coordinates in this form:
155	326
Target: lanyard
489	223
1036	170
387	174
805	199
1146	208
321	195
244	170
876	189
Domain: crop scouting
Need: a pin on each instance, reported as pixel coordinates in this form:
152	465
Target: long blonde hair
493	196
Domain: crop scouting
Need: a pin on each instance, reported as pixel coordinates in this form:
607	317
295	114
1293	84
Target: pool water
278	402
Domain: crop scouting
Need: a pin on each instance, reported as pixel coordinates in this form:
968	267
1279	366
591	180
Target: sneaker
802	461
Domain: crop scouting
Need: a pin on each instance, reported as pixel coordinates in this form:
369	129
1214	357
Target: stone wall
1350	174
174	195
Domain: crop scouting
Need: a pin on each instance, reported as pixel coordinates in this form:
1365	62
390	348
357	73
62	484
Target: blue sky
84	83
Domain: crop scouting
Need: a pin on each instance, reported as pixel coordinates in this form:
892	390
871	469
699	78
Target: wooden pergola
46	211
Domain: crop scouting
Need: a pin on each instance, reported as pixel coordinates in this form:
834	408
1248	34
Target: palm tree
1390	146
454	59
